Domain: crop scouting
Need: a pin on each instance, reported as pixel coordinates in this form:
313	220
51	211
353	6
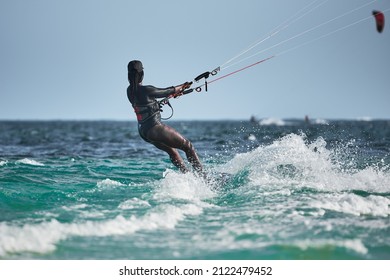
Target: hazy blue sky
66	59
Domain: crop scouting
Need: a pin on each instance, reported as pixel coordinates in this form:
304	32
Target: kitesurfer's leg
191	155
173	155
166	137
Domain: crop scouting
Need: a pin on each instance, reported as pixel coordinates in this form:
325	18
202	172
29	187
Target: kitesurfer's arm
159	92
165	92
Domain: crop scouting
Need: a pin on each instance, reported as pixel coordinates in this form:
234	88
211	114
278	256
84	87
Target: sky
67	59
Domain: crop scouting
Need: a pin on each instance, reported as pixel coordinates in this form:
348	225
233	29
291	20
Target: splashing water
289	195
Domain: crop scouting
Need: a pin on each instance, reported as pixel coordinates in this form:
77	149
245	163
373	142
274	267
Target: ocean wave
177	195
107	183
43	237
294	162
28	161
321	121
84	211
187	186
354	204
287	195
76	207
134	203
243	239
354	245
272	121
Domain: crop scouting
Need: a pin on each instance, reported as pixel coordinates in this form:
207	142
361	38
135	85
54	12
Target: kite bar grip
188	91
201	76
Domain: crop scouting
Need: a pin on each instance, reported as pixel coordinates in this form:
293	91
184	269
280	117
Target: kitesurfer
150	128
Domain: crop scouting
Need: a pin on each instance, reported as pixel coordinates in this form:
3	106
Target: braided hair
135	75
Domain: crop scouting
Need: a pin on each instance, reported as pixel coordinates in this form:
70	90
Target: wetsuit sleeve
159	92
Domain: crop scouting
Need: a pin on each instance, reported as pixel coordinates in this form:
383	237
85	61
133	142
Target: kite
379	19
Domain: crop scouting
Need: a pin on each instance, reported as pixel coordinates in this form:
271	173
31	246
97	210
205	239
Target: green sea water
95	190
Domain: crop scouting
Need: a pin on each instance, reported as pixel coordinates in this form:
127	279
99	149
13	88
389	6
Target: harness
147	111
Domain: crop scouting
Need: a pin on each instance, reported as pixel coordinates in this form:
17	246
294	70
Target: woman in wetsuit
150	127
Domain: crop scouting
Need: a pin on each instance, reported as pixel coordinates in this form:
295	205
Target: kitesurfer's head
135	72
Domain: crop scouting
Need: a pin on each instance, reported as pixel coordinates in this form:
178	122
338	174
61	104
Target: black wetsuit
146	106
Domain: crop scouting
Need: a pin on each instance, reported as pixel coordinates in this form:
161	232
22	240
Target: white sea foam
272	121
43	237
84	211
321	121
293	162
365	119
28	161
134	203
232	237
108	183
252	137
75	207
354	244
178	195
3	162
183	186
291	149
354	204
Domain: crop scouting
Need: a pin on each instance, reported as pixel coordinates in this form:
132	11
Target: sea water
96	190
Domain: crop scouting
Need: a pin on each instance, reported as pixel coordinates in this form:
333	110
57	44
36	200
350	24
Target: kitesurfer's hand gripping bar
187	85
184	89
